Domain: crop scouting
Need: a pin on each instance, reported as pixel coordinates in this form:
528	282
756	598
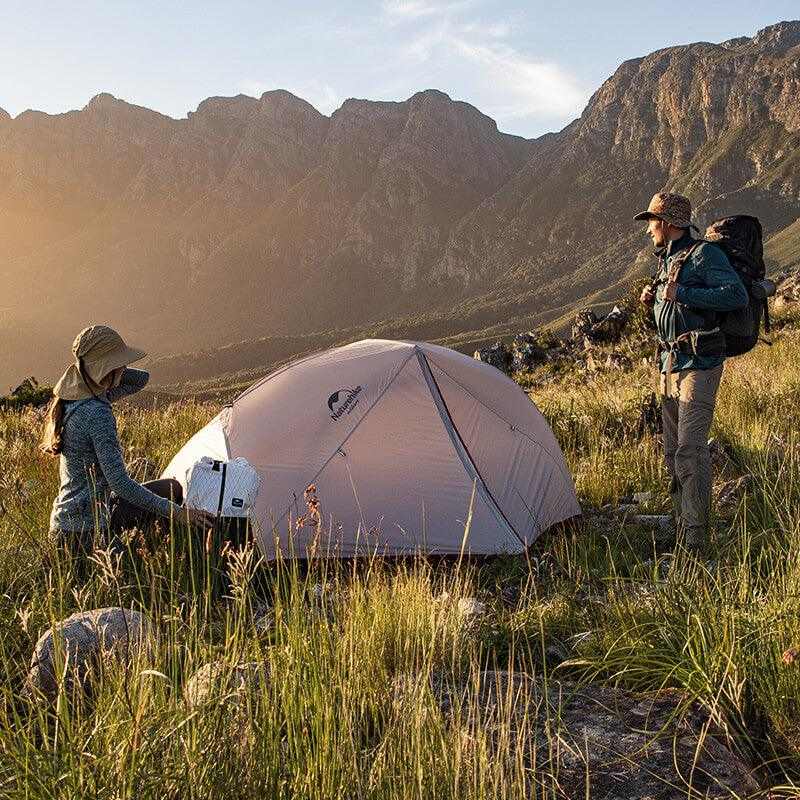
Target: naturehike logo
343	401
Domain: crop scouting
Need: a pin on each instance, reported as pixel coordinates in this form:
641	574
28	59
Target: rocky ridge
260	216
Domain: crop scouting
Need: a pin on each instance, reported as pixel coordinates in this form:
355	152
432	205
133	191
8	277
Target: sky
530	65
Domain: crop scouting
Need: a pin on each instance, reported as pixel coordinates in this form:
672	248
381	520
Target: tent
412	448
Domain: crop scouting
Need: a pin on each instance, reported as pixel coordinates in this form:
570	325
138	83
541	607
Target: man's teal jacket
707	283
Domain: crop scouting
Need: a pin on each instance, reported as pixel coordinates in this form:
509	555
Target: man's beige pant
686	414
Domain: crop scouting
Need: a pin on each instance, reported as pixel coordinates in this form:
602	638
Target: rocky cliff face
718	122
260	216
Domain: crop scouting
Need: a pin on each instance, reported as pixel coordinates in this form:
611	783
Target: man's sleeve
133	380
723	290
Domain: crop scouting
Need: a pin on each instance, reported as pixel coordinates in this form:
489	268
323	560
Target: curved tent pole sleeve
340	447
532	439
274	374
463	453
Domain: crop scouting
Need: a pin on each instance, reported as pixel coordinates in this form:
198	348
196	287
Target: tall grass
357	656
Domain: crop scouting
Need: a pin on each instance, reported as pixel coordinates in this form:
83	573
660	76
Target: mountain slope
261	217
718	122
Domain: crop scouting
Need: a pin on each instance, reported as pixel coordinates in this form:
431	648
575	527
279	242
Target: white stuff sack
228	488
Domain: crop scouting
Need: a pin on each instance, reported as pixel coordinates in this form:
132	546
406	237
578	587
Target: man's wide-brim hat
98	351
674	209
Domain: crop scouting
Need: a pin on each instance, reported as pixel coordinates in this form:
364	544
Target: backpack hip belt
670	348
692	343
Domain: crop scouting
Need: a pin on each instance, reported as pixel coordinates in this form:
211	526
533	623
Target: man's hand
647	296
671	291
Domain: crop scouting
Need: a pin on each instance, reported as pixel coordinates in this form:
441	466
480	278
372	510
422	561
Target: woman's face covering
113	379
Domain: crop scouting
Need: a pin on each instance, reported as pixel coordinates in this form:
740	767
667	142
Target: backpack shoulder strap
680	260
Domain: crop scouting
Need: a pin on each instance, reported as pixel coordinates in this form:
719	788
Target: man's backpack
741	238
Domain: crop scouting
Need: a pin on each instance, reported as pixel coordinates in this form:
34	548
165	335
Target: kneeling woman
81	428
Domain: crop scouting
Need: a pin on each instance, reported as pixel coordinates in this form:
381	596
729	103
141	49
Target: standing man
694	284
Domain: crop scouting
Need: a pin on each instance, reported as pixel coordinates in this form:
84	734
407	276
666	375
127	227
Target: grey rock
787	292
497	355
599	742
625	509
592	329
471	607
582	324
528	351
77	648
730	493
660	522
219	682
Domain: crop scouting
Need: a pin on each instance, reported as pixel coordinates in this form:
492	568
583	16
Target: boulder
497	355
731	492
658	522
610	327
77	648
28	394
590	328
237	684
470	607
527	351
599	742
787	292
583	323
465	607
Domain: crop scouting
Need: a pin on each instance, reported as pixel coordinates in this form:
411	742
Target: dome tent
404	441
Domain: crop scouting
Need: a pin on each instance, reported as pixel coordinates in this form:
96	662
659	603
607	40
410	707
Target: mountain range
257	228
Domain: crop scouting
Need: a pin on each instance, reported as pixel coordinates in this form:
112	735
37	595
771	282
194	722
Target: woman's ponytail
52	441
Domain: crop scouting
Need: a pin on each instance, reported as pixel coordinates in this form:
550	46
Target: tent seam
451	426
275	373
357	425
280	370
561	467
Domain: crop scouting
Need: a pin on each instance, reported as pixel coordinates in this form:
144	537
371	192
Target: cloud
523	86
321	95
399	10
447	38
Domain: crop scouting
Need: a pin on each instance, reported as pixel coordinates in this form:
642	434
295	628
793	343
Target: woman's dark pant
125	516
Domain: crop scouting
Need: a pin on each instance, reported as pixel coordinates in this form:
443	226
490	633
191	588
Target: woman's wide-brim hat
98	351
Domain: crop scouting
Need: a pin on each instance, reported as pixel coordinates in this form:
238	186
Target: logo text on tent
343	401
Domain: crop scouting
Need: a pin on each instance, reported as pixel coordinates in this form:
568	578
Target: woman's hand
201	518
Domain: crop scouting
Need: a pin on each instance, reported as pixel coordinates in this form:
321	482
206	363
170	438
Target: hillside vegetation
354	654
260	218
